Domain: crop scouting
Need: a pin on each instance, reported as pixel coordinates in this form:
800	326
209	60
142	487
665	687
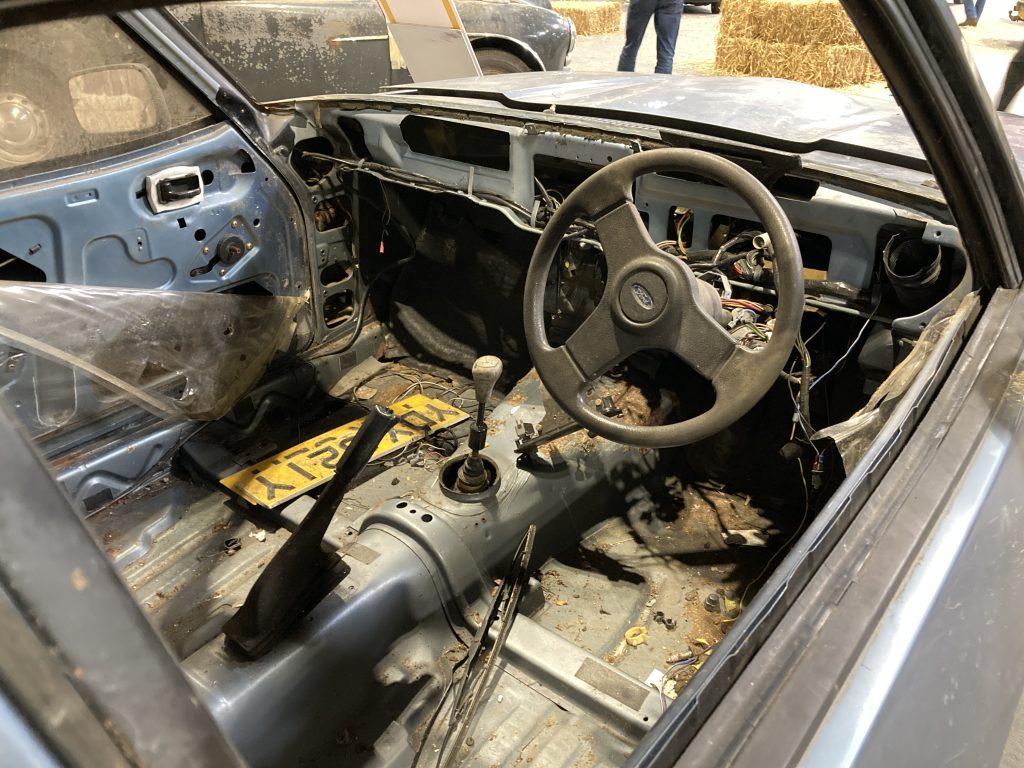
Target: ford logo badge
643	296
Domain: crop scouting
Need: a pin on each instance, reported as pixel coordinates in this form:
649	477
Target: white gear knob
486	372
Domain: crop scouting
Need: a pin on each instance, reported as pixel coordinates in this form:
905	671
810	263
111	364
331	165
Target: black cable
545	195
361	311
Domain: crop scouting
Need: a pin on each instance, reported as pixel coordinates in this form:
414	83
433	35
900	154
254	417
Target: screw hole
402	504
200	235
207	177
427	518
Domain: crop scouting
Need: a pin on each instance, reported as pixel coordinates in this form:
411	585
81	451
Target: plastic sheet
853	436
174	353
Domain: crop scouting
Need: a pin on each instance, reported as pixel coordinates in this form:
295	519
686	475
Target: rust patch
517	398
635	410
572	445
393	392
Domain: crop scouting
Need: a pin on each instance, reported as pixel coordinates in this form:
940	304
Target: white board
430	36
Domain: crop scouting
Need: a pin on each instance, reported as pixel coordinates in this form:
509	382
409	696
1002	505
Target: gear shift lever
472	477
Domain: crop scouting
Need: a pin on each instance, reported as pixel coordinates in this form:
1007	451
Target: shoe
969	23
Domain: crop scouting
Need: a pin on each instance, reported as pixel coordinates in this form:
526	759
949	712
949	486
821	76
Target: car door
298	48
128	201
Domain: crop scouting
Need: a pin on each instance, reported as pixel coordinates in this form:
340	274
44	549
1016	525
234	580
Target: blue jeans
973	9
666	15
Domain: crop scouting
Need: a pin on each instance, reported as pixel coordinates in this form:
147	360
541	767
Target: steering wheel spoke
599	343
624	240
704	344
590	351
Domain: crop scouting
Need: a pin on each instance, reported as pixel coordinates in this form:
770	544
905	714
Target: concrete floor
992	44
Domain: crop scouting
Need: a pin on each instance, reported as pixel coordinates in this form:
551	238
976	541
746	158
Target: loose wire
675	668
846	354
361	307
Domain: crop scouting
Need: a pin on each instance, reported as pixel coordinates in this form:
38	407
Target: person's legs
637	17
970	11
666	24
979	6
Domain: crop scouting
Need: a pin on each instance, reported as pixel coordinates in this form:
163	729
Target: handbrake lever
302	572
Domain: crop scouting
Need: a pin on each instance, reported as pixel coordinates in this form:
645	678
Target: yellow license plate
301	468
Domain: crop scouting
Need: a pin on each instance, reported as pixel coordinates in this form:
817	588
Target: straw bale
804	22
591	17
812	41
830	66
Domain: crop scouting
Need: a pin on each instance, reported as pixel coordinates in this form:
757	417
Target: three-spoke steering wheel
652	300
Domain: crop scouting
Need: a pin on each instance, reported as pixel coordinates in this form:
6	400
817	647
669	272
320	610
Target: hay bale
812	41
830	66
803	22
591	17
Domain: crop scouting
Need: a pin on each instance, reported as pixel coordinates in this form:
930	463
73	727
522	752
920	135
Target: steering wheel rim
641	307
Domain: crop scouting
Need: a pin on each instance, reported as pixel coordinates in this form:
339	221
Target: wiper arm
469	694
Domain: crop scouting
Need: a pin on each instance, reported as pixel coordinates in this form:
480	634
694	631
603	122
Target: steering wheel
652	300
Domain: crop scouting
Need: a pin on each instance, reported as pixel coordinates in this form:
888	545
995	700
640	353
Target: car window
74	90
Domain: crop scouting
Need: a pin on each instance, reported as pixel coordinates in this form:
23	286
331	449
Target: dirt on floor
633	407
